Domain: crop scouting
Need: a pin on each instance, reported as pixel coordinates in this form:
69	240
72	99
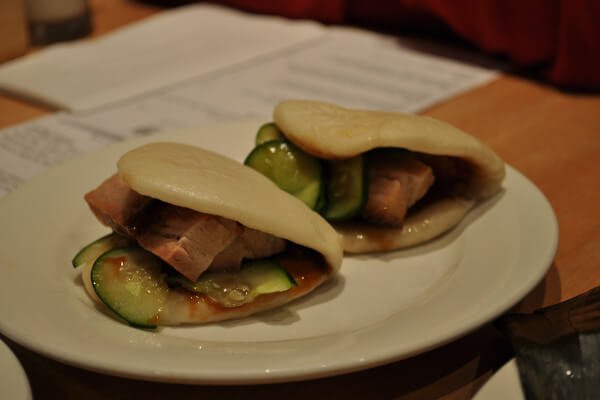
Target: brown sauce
154	320
116	262
362	231
307	267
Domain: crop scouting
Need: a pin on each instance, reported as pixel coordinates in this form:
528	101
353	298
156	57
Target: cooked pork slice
386	204
397	180
190	241
250	244
116	205
186	239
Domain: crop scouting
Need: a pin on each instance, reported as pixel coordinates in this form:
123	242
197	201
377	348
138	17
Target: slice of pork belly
186	239
251	244
397	180
116	205
193	242
190	241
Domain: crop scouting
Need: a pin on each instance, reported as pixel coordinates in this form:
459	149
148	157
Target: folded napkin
168	48
558	348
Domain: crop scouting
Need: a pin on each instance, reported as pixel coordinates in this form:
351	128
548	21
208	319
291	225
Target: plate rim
16	374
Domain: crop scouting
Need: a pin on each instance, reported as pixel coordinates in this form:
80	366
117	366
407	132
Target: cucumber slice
266	276
131	283
92	251
233	289
267	132
347	188
293	170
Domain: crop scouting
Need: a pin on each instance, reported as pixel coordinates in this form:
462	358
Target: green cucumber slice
131	283
322	202
347	188
236	288
267	132
89	253
266	276
293	170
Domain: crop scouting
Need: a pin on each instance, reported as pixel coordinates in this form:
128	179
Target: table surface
549	135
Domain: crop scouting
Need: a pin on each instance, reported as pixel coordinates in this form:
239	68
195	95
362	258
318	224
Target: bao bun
209	183
332	132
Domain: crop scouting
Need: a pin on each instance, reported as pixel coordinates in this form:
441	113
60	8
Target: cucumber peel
347	188
267	132
90	252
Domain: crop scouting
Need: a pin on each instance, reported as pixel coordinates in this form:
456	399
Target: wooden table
551	136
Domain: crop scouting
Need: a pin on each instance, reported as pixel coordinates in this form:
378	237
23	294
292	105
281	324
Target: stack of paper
168	48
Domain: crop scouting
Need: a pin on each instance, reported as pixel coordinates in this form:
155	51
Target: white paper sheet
30	148
152	54
346	66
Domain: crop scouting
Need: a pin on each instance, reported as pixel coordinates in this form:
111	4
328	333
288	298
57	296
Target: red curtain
560	36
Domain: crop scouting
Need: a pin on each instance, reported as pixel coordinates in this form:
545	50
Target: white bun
332	132
207	182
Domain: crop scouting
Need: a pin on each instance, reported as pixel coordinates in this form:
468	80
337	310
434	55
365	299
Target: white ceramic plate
13	381
503	385
380	309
